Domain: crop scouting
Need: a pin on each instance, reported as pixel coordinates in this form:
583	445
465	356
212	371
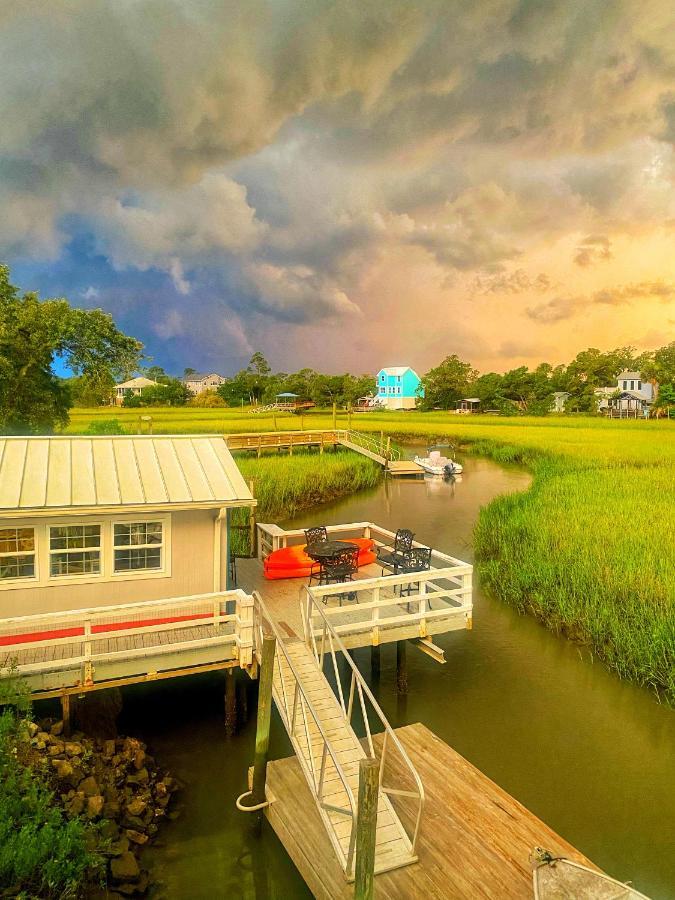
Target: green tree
448	383
33	333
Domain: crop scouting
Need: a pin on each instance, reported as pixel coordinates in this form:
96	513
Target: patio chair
417	560
339	570
316	535
392	558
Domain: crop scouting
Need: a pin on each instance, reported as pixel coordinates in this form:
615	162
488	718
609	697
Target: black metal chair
316	535
339	570
392	558
233	570
417	560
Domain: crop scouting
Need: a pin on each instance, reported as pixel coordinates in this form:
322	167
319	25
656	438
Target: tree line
531	390
35	333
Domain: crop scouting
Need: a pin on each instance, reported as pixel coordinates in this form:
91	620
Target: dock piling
262	737
230	703
375	660
366	829
401	667
65	713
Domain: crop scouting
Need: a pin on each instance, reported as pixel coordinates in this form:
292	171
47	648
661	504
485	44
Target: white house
631	395
97	521
133	386
198	382
560	398
398	387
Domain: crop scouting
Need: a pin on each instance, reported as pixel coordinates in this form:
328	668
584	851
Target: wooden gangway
381	452
319	716
89	649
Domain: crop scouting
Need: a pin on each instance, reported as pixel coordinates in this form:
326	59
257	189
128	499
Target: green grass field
589	549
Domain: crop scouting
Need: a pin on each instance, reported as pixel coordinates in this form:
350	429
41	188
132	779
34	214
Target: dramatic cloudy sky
345	184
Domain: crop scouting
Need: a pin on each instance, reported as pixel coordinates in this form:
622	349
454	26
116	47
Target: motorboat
436	464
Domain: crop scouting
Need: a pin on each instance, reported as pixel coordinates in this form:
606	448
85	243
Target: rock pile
115	783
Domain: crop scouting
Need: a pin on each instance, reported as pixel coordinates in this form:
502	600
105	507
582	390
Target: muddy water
594	757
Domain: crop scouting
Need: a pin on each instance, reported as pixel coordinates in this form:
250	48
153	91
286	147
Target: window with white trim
138	546
17	553
74	550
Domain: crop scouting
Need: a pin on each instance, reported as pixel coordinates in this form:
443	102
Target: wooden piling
230	703
401	667
253	531
366	826
262	736
375	661
65	714
334	416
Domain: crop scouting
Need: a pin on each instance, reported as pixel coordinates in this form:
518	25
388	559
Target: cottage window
17	553
639	385
138	546
74	550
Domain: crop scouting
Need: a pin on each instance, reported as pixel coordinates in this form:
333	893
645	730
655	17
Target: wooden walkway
392	848
365	444
90	649
475	839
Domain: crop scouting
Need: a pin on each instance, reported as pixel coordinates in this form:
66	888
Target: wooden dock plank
475	839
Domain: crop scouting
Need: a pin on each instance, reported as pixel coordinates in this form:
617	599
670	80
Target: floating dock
475	839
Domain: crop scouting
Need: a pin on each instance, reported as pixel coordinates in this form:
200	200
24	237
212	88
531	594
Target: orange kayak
293	562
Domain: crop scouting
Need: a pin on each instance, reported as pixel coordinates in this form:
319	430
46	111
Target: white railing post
244	629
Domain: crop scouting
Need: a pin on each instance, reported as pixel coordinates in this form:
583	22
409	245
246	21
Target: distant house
560	398
632	396
199	382
133	386
399	387
468	405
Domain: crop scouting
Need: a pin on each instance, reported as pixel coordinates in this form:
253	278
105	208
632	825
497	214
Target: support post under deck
401	667
230	703
262	736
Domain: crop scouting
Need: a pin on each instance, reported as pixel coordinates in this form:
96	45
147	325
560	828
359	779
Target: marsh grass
285	485
589	549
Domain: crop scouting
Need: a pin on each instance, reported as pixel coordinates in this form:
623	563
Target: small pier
380	451
474	840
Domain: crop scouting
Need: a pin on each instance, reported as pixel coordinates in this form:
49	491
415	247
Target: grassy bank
589	549
285	485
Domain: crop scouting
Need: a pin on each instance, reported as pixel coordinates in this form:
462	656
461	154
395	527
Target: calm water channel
593	757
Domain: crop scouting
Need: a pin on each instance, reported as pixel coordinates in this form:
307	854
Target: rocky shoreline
115	785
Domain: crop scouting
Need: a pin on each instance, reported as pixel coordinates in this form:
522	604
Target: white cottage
199	382
93	521
134	386
631	395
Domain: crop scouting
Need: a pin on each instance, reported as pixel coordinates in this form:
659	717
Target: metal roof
201	376
44	475
139	382
397	370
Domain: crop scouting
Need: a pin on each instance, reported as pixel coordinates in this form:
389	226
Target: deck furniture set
337	561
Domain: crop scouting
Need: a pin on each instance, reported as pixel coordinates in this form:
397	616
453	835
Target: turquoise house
399	387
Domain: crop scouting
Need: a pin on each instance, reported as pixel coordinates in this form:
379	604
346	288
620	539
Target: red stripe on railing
57	633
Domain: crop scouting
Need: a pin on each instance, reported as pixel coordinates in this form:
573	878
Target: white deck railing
382	602
82	639
299	718
361	709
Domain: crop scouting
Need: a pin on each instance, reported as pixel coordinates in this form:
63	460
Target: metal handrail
370	443
358	687
293	723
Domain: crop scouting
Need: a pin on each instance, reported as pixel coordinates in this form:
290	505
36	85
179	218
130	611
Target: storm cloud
258	169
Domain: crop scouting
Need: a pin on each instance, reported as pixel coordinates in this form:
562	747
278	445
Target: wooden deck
475	838
89	649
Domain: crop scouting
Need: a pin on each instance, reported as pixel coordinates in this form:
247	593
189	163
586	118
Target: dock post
401	668
230	703
253	531
262	736
334	416
366	827
65	713
375	660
